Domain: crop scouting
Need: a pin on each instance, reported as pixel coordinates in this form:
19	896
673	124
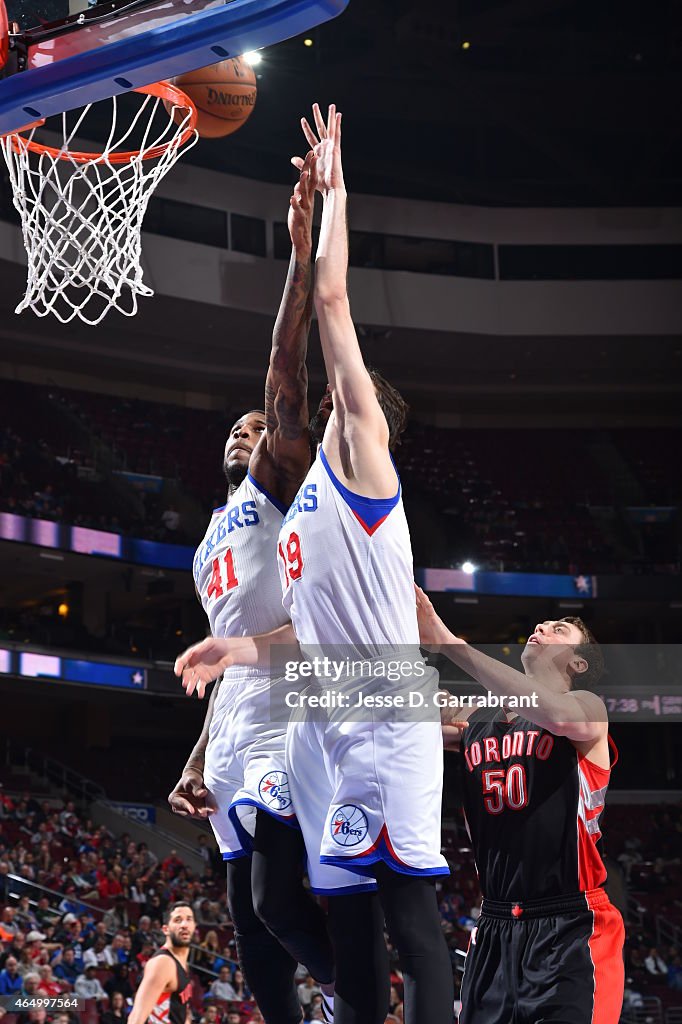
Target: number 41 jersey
235	569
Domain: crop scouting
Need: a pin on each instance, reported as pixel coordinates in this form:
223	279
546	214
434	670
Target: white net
81	213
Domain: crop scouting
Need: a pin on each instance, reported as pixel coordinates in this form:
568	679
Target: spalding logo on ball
224	95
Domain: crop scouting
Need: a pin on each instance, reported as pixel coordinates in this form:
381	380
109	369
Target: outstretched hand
201	664
302	203
326	146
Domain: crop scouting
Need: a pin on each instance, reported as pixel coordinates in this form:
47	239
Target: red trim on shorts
606	951
383	836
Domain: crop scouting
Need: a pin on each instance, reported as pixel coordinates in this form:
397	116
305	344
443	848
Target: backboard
64	54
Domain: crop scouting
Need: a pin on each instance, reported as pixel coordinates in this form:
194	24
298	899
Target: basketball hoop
81	212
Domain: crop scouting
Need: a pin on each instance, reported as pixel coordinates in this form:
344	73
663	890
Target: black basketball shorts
554	961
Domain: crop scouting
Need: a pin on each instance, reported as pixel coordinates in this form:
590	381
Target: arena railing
667	933
86	790
53	771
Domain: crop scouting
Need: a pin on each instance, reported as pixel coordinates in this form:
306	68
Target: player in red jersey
166	989
549	944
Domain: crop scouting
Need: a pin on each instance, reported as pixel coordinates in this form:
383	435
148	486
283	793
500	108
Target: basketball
224	94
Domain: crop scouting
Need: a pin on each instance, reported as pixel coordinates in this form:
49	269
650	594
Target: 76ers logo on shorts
349	825
273	790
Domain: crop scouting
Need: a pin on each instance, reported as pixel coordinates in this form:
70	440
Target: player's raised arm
357	444
577	714
281	459
159	975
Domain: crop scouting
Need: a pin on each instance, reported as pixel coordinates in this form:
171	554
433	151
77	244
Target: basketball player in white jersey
237	772
164	994
368	793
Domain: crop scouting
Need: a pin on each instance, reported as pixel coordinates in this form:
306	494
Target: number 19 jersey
365	788
345	564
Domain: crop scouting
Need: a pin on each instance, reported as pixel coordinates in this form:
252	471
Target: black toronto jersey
532	805
171	1007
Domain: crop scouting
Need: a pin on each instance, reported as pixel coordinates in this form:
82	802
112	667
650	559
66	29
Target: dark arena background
515	214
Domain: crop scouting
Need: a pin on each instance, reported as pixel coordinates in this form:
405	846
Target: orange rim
164	91
4	34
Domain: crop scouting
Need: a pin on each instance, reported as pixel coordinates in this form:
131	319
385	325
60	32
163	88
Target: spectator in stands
239	984
8	926
109	886
153	906
63	1018
49	985
314	1004
117	918
74	937
33	1017
96	956
117	1012
209	949
10	979
25	917
172	864
115	952
44	913
30	987
119	982
655	964
67	969
68	811
88	985
149	859
205	847
34	946
222	988
211	1015
306	990
16	947
675	974
142	934
233	1017
145	953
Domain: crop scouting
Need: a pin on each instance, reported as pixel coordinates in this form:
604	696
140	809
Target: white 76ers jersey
234	566
345	563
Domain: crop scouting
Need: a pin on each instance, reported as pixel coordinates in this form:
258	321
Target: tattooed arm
281	459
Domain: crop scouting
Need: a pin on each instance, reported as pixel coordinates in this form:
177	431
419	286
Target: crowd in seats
513	500
102	920
646	843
